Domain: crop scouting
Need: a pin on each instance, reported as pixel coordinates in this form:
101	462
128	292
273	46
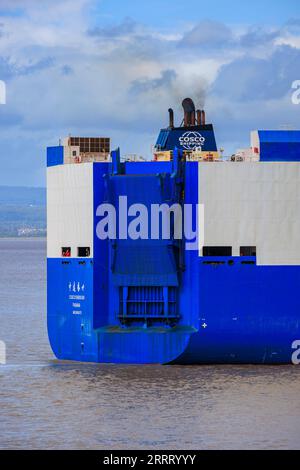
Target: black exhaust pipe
189	112
171	118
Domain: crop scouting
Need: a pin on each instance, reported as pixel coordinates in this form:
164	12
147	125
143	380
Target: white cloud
66	76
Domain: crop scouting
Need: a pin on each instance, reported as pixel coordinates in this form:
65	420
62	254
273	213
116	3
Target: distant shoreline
23	238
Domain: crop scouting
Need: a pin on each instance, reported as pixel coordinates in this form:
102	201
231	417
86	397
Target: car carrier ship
234	298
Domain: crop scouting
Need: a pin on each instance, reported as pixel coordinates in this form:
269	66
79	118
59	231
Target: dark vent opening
217	251
248	251
214	263
83	251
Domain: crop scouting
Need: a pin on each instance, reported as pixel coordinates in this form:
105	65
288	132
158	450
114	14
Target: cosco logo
191	140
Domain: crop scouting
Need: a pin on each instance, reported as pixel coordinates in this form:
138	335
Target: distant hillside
22	211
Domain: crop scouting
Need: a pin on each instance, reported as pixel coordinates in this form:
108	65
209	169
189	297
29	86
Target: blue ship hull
225	310
253	319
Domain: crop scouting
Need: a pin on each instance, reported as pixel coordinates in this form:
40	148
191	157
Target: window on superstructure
248	251
217	251
66	251
83	251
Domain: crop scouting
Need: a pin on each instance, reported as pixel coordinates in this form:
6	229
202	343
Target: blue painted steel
116	161
162	138
247	313
280	136
144	265
146	168
281	146
225	310
55	155
70	309
142	261
101	251
168	139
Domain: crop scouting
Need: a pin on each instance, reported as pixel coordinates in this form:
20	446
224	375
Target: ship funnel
199	117
193	118
203	117
189	112
171	118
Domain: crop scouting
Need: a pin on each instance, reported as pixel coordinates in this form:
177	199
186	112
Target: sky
114	67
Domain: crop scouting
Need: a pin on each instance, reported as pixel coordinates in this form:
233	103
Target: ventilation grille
142	303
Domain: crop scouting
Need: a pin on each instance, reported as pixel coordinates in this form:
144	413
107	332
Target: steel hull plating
253	319
230	309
